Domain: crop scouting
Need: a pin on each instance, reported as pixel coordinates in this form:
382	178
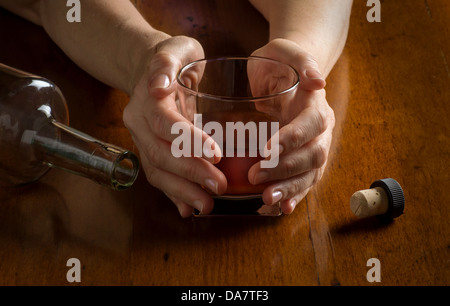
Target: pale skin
117	46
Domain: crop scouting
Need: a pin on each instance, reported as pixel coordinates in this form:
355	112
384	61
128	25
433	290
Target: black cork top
396	197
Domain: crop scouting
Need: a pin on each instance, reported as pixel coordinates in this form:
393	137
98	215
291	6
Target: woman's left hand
305	139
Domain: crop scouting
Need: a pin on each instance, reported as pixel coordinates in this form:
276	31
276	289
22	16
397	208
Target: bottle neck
63	147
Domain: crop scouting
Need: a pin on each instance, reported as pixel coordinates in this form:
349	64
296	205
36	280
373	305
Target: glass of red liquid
238	102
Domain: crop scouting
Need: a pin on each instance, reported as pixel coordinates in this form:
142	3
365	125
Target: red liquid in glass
236	171
236	168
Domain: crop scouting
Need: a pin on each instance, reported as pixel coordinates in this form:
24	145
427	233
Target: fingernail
198	205
161	81
261	177
212	185
211	151
276	197
293	203
208	153
313	74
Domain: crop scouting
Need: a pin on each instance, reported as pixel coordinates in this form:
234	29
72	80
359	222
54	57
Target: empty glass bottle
35	136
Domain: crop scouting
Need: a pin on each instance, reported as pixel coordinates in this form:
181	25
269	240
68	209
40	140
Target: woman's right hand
150	115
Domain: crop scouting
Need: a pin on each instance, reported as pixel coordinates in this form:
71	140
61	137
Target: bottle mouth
125	171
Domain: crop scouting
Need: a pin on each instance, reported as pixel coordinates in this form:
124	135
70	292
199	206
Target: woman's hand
305	134
150	115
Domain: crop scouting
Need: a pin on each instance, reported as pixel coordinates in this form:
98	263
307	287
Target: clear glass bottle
35	136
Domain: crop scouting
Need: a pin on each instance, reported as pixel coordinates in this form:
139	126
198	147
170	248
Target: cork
369	202
385	199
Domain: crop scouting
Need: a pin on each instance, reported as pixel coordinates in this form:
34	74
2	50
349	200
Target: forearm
319	27
111	42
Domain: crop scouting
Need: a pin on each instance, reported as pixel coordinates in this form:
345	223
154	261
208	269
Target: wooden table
391	94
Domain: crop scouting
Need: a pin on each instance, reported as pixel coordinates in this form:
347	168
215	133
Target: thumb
162	75
160	81
308	69
312	78
288	52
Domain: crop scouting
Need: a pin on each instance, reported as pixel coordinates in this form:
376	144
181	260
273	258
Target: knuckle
157	123
184	40
153	153
298	185
311	63
317	176
320	155
190	43
191	46
162	58
297	136
321	119
289	167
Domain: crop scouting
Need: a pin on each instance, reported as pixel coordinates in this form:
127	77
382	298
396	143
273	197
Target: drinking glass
238	102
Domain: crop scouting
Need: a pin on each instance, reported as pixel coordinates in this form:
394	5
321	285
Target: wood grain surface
391	94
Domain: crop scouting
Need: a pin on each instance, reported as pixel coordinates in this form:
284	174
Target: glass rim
231	99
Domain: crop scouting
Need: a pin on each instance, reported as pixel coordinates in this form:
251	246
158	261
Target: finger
311	156
312	78
177	187
161	111
197	170
159	154
288	206
184	210
287	189
166	123
309	124
303	119
172	127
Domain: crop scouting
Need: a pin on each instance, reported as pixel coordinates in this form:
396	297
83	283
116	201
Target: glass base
242	206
